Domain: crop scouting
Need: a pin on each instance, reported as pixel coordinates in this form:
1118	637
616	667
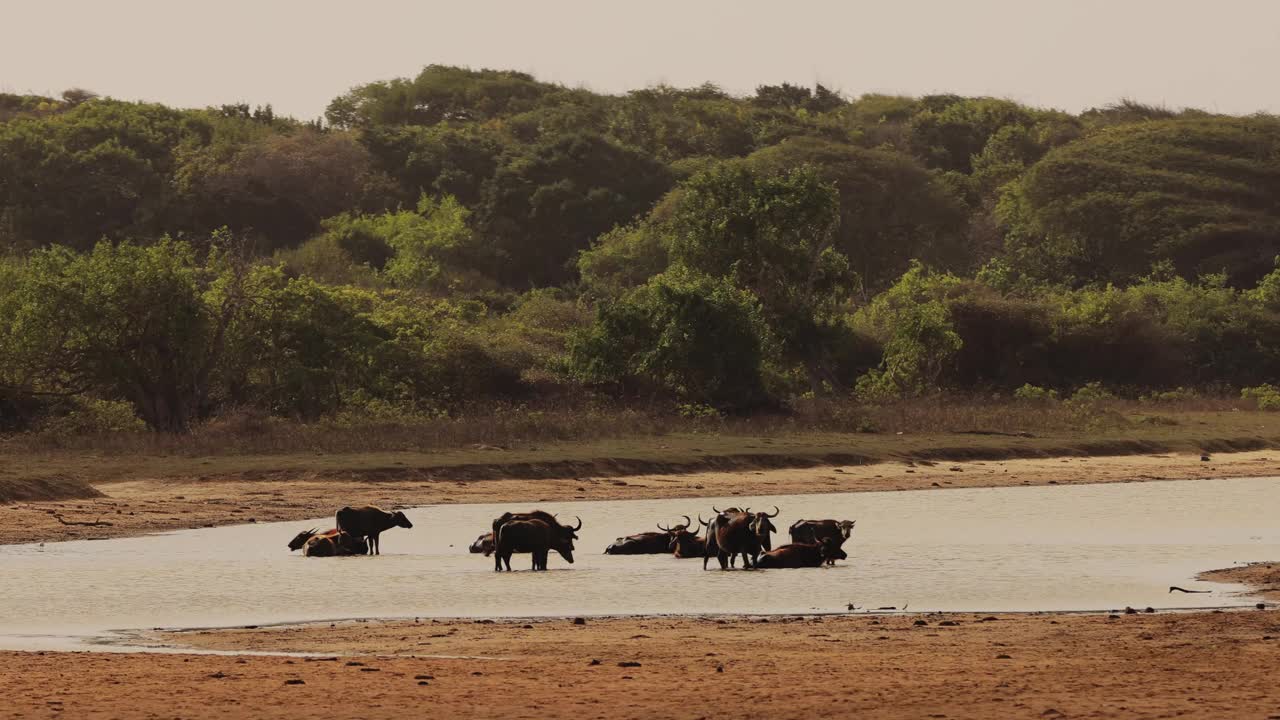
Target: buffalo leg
540	560
723	557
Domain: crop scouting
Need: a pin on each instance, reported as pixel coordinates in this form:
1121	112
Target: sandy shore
144	505
1263	578
1219	665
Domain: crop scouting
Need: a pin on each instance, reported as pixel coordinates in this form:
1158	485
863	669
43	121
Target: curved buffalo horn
575	517
701	521
797	523
687	521
746	511
714	509
776	512
663	529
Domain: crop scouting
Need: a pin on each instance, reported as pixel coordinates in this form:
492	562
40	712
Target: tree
1201	194
143	324
696	337
891	209
548	202
280	186
773	236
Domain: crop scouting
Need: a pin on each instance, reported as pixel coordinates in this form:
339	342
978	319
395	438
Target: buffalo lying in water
837	531
331	543
802	555
483	544
649	543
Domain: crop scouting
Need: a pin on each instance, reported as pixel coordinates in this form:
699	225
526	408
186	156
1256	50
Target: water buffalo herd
729	534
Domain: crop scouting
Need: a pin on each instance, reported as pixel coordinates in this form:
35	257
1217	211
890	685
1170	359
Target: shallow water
993	549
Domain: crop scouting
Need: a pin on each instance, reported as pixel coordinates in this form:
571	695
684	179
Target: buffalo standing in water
370	522
561	536
735	534
534	536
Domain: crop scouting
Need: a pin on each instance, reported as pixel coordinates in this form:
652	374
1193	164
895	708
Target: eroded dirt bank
146	505
1042	666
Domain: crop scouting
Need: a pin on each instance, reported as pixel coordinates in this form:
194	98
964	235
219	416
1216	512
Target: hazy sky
298	54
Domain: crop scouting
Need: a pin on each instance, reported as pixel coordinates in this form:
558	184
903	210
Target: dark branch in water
1184	590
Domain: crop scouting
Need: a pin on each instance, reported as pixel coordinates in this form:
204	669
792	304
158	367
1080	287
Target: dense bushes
471	237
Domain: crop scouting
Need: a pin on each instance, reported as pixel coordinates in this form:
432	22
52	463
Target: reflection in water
998	549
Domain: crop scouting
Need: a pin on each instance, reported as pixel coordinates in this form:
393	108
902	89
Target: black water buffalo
734	535
648	543
483	544
838	531
802	555
370	522
763	528
309	540
565	535
534	536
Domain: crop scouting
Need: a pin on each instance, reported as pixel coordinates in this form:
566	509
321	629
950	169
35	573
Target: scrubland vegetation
477	257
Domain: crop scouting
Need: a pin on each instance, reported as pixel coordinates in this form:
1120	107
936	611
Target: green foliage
89	416
1176	395
891	210
1035	394
1267	396
1091	393
914	323
548	202
469	236
625	257
143	324
439	93
771	235
695	337
1199	193
423	242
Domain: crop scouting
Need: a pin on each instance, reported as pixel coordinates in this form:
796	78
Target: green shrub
1266	396
1179	394
90	416
1091	393
1035	393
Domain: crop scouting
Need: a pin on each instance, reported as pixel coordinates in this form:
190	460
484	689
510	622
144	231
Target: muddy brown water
1087	547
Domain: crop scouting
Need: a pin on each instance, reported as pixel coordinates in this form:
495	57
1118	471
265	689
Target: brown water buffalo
838	531
648	543
483	544
354	546
335	543
370	522
734	536
534	536
802	555
686	544
565	534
